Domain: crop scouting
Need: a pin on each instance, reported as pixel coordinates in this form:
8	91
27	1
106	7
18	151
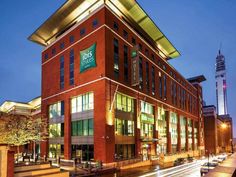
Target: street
186	170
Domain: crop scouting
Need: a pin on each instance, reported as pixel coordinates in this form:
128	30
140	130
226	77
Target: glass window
62	72
82	31
72	39
153	81
85	127
72	67
126	66
95	23
147	76
165	86
140	73
80	128
125	34
53	51
55	130
90	127
124	127
56	110
133	41
74	130
116	58
116	26
62	45
46	56
82	102
124	103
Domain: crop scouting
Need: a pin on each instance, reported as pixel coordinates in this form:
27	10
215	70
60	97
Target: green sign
88	58
134	53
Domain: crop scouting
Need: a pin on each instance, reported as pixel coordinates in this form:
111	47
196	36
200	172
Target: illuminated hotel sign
134	66
88	58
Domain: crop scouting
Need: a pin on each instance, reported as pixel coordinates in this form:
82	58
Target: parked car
206	167
179	161
190	159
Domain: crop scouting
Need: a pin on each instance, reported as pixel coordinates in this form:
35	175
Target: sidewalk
226	169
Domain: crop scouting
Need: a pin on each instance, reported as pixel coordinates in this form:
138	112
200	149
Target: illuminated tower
221	88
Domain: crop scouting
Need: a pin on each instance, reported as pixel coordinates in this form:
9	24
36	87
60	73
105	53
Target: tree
17	130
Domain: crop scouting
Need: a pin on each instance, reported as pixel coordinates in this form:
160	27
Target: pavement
226	169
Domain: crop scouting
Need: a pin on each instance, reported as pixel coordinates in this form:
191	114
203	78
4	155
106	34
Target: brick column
186	129
10	164
179	134
67	129
169	148
193	140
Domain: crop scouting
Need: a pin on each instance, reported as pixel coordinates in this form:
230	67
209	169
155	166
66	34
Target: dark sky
196	28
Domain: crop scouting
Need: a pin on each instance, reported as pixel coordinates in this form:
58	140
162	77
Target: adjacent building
108	90
217	131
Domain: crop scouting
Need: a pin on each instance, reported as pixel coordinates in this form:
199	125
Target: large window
124	103
126	65
165	86
56	130
56	110
173	129
146	107
153	81
147	119
160	85
195	135
162	127
56	150
190	140
147	76
82	128
84	152
124	151
183	132
124	127
140	73
83	102
62	83
146	130
72	67
116	58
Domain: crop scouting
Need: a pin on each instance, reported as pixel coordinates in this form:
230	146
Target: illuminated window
82	128
124	127
83	102
56	110
124	103
56	130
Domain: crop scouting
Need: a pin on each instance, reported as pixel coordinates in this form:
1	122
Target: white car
206	167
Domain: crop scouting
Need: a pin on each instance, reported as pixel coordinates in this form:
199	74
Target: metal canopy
132	9
75	10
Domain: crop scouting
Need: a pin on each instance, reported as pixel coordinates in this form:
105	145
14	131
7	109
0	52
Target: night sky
196	29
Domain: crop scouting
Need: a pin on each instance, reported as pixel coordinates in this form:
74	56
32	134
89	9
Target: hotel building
108	90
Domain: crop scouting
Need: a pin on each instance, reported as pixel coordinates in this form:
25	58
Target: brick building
218	131
108	90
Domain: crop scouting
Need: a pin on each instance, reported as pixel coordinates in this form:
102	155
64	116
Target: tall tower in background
221	88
